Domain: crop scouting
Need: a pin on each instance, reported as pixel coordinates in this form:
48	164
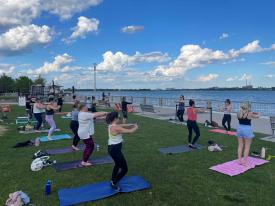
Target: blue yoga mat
179	149
55	137
100	190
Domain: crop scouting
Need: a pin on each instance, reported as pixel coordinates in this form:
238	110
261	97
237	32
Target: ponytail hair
228	101
111	117
191	102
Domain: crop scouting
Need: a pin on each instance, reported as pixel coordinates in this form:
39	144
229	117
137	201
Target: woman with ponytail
245	133
115	132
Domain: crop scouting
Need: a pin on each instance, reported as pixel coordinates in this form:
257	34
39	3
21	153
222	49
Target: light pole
95	79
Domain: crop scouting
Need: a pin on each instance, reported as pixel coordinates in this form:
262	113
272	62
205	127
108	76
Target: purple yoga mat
65	150
233	168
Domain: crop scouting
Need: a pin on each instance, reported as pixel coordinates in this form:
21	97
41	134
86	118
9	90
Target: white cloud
224	36
21	38
132	29
270	76
18	12
207	78
193	56
245	77
84	26
65	9
270	63
119	61
230	79
6	69
58	65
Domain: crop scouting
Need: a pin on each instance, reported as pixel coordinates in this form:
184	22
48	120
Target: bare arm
99	114
253	115
121	130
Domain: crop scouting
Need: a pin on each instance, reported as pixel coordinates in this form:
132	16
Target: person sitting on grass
124	109
115	132
192	124
245	133
86	131
50	109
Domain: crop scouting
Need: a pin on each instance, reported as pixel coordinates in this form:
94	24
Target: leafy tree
7	84
23	84
40	80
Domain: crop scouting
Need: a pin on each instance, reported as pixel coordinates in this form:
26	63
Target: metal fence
265	109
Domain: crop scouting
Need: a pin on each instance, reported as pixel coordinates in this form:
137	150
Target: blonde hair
244	110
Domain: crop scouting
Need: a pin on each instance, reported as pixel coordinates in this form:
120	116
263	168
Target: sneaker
115	186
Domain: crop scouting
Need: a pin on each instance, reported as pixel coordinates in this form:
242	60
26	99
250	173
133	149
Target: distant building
247	87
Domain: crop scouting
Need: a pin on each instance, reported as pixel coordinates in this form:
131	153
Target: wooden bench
147	108
272	122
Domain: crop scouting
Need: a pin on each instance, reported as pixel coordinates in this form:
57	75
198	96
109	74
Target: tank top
114	139
192	116
244	121
49	112
227	110
37	110
75	115
181	106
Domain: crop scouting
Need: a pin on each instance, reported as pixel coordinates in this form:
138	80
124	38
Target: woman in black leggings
227	115
115	131
74	126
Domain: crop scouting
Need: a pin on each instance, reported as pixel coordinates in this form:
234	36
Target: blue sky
140	44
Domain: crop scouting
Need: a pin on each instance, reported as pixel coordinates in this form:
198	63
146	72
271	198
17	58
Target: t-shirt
86	125
37	110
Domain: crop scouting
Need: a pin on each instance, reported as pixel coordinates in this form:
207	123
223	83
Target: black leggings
226	119
180	114
192	125
74	127
120	168
38	117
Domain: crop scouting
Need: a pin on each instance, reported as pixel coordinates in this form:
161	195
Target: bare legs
243	150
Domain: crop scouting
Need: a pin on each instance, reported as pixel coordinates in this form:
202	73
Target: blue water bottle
48	187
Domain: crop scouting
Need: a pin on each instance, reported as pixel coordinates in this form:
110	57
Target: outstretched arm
121	130
99	114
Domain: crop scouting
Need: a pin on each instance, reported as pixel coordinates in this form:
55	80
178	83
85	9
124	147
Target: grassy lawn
182	179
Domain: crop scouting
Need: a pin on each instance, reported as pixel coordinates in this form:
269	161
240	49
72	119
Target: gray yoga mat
76	164
65	150
179	149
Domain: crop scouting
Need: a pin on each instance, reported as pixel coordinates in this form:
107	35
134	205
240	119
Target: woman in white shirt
38	109
115	131
86	131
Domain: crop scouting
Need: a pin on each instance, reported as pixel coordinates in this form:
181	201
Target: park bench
147	108
272	122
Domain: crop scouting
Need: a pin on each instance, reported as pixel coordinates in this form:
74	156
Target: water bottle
97	147
48	187
263	153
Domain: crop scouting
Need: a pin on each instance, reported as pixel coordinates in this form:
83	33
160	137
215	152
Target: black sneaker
115	187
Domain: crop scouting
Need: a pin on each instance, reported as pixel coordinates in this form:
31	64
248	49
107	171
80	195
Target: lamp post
95	79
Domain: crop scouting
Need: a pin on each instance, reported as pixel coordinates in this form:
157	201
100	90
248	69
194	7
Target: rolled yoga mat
76	164
179	149
101	190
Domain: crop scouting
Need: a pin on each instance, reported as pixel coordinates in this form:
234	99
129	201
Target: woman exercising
245	133
74	126
227	115
38	109
51	107
115	145
86	131
124	109
192	124
181	108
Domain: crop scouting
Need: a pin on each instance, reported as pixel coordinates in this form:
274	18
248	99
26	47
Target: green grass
182	179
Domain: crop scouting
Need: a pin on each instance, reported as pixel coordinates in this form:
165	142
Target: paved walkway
261	125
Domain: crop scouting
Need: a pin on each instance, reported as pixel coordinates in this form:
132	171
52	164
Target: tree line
21	84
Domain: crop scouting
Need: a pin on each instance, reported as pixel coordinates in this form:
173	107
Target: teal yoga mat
55	137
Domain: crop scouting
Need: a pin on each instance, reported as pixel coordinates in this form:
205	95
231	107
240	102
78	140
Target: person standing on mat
227	115
60	102
115	132
51	107
38	109
124	109
93	104
192	124
89	104
181	108
86	131
245	133
74	126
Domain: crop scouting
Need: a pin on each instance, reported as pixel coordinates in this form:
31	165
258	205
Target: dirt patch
2	130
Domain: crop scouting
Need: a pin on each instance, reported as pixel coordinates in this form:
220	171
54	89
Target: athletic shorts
245	131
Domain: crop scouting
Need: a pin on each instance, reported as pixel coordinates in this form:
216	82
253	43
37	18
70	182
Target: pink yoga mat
223	132
233	168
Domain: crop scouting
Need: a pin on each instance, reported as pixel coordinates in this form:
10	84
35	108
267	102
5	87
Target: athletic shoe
115	187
